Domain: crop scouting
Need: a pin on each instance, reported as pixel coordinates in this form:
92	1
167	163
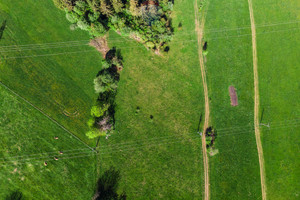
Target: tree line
148	21
105	84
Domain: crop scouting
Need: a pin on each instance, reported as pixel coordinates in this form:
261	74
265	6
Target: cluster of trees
105	84
147	20
210	136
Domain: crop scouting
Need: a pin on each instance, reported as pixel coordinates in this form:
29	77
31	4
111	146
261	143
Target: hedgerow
148	20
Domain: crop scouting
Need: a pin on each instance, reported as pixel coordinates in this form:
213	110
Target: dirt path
256	105
199	31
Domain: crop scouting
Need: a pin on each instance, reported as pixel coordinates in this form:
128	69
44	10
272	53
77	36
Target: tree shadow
16	195
198	129
108	185
2	28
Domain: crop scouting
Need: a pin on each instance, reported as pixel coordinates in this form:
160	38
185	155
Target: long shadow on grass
2	28
16	195
108	185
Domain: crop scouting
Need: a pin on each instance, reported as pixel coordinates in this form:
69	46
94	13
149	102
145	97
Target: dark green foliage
108	185
105	84
149	21
210	137
17	195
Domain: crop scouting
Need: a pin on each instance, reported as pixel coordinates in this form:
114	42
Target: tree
105	82
94	132
98	111
117	5
105	8
72	17
63	4
133	8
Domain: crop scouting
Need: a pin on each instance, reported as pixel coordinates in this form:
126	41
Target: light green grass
27	140
234	172
54	83
169	164
160	159
278	64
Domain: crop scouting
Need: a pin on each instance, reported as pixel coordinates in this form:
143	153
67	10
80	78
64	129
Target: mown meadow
278	64
234	171
27	141
48	64
155	145
159	158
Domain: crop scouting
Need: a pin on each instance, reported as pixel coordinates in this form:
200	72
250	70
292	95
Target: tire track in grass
200	30
256	105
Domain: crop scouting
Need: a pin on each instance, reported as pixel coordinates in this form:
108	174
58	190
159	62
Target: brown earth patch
100	44
233	96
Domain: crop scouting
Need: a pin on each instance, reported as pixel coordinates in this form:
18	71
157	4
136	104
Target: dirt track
199	30
256	105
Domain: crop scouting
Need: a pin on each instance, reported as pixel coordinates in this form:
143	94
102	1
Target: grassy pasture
46	68
278	64
234	172
27	140
159	158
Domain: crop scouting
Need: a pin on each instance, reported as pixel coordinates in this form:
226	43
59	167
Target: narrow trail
256	105
199	30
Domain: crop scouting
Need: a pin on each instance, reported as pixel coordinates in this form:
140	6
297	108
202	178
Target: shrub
80	7
97	29
98	111
72	17
104	82
91	122
95	133
93	16
150	44
82	24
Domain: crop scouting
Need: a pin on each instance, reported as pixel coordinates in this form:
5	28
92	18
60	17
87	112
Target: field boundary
256	105
43	113
200	31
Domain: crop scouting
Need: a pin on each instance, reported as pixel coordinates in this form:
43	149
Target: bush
72	17
150	44
105	83
91	122
98	111
82	24
97	29
80	7
93	17
95	133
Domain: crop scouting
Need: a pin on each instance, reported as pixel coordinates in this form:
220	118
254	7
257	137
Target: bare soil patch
233	96
100	44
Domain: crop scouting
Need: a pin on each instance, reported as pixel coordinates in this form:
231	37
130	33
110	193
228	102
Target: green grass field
27	141
43	68
278	63
53	68
234	172
162	158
